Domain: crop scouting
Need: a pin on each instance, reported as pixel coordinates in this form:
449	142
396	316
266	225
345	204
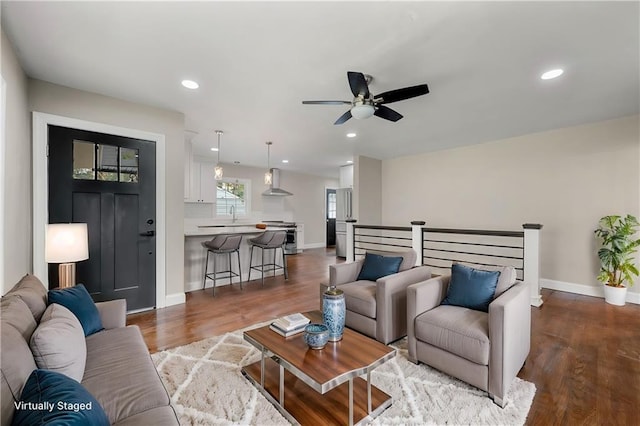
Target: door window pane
128	165
110	163
107	162
83	160
331	206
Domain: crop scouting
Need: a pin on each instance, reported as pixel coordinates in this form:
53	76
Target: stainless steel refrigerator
343	212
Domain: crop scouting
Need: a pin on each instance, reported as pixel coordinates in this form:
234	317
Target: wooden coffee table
319	386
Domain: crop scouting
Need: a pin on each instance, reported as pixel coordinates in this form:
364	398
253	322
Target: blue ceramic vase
333	312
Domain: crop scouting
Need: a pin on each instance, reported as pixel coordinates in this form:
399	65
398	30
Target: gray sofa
118	370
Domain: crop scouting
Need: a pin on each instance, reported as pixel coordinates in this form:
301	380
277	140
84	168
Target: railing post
416	239
351	250
532	260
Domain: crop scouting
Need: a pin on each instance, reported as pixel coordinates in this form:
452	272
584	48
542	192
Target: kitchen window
233	197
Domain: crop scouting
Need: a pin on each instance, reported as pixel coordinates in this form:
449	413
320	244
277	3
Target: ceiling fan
365	104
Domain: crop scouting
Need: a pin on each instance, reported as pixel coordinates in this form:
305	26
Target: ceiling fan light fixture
362	111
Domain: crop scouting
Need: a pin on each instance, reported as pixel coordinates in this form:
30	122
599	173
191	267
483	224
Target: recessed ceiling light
236	162
190	84
285	161
552	74
351	135
214	149
349	162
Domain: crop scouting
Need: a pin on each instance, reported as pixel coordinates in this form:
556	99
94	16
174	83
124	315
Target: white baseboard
586	290
315	245
175	299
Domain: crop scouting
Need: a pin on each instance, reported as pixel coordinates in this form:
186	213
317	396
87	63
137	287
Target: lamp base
66	275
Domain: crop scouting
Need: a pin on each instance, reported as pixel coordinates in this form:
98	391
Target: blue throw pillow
471	288
78	301
52	398
376	266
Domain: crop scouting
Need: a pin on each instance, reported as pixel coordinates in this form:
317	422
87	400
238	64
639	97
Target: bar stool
222	244
269	240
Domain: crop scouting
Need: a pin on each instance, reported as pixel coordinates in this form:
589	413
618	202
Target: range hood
275	190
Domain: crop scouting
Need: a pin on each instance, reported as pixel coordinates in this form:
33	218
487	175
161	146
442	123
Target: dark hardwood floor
584	359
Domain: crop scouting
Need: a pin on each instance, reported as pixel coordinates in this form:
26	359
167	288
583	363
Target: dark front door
108	182
331	217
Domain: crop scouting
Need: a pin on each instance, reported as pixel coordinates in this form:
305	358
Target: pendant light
268	177
217	172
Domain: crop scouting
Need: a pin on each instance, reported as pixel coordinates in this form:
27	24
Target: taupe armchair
377	309
484	349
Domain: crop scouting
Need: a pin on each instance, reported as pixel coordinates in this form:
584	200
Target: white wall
59	100
367	191
306	205
565	179
16	171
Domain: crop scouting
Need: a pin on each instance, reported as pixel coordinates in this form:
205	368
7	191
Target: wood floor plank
584	359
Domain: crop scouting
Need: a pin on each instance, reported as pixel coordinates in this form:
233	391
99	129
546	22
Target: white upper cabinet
203	188
346	176
187	170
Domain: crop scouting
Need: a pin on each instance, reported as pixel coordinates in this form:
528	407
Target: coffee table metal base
353	402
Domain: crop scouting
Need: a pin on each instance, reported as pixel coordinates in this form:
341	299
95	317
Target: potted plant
617	256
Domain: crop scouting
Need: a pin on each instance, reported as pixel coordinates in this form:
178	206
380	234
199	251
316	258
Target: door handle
148	234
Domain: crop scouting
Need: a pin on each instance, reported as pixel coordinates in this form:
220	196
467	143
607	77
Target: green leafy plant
617	254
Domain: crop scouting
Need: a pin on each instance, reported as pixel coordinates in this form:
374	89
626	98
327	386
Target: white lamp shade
362	111
67	242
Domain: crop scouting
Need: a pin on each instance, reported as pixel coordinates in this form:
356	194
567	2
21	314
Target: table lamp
66	244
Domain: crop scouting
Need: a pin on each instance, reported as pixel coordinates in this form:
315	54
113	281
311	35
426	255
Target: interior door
108	182
331	217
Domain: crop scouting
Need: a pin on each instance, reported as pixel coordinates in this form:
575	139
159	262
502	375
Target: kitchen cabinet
346	176
203	183
187	169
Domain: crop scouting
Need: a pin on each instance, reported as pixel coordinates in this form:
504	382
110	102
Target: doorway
108	182
331	217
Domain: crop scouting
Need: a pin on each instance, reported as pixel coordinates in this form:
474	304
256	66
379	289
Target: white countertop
198	231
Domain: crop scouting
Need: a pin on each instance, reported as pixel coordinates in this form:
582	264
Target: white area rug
207	388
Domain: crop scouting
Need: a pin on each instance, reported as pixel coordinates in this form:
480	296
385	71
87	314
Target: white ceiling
256	62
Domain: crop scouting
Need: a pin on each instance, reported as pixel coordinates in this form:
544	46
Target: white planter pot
615	295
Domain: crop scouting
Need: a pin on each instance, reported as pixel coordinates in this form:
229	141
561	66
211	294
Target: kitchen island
195	255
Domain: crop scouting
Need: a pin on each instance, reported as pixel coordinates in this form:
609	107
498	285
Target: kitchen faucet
232	211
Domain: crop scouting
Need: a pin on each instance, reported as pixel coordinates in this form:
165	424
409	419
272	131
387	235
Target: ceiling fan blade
326	102
402	94
387	113
344	117
358	84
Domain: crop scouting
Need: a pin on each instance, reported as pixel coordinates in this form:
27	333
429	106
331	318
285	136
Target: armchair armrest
510	337
113	313
342	273
422	297
391	302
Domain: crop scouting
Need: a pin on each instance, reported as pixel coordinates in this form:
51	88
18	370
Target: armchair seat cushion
360	297
460	331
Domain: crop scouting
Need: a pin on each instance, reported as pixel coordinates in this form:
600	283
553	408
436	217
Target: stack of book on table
290	324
